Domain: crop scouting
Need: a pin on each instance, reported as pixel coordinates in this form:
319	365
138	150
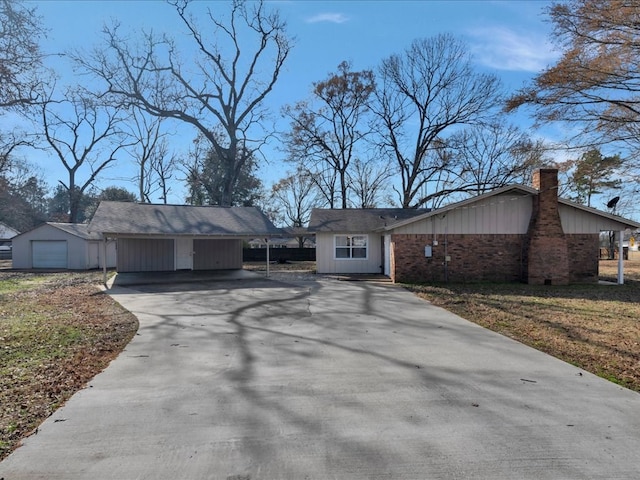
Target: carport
156	238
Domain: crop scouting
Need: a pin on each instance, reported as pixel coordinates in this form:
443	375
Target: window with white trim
348	247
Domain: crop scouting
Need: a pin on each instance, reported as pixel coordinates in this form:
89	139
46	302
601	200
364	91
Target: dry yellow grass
595	327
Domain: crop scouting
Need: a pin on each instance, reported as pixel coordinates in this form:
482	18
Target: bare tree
293	197
493	155
236	65
151	154
8	144
328	130
291	200
20	55
20	70
423	93
369	182
83	134
163	167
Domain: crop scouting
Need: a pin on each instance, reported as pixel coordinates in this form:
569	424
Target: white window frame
350	247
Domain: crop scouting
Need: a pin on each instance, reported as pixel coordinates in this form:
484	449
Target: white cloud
504	49
328	17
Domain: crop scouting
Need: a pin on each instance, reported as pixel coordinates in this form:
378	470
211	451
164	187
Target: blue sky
508	38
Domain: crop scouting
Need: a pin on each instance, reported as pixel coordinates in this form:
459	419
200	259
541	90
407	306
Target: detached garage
61	246
155	238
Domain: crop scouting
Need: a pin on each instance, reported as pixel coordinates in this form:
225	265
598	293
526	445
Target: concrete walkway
259	379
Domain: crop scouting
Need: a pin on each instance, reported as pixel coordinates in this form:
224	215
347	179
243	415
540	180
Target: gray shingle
358	220
6	232
126	218
80	230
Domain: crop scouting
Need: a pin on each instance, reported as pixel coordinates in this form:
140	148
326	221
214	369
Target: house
7	233
514	233
352	240
178	237
61	246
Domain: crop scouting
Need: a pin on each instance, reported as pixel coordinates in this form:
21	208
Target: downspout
620	259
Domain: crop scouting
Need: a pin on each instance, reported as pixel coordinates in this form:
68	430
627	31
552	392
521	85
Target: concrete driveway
260	379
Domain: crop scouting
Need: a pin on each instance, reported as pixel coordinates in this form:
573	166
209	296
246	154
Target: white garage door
49	254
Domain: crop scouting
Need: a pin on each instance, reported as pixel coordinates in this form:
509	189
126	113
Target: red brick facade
545	255
484	258
470	258
583	258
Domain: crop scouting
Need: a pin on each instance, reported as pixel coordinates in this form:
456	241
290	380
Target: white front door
184	253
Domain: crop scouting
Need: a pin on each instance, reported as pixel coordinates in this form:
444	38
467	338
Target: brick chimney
547	254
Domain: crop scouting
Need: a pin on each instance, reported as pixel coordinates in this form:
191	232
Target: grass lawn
57	331
595	327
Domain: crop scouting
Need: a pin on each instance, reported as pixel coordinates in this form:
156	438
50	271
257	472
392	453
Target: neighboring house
352	240
515	233
61	246
6	235
179	237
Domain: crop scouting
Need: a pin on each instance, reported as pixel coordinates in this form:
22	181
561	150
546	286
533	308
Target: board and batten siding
506	214
502	214
575	220
327	263
213	254
145	255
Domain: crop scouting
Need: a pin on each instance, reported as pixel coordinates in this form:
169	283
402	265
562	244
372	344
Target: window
351	246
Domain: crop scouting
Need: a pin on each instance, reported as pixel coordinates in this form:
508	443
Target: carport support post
267	240
620	258
104	259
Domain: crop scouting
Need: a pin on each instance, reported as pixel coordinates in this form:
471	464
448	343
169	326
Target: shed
514	233
61	246
163	237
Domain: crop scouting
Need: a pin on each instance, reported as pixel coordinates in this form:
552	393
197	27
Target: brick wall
489	258
583	258
485	258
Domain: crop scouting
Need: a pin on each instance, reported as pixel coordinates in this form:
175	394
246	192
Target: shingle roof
78	229
358	220
126	218
6	232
